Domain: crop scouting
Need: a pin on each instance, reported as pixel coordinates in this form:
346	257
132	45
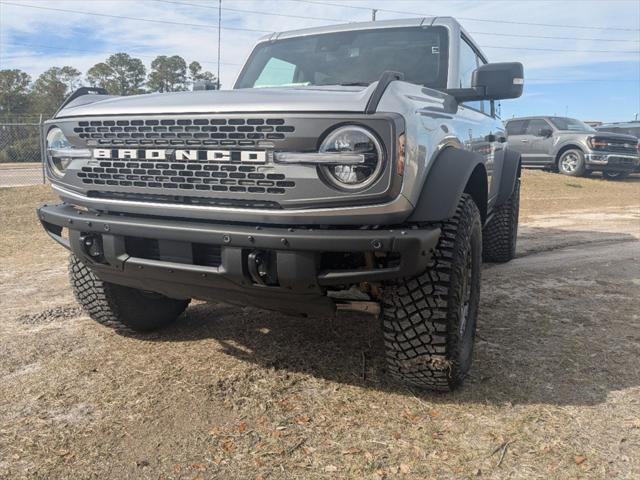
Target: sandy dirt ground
230	393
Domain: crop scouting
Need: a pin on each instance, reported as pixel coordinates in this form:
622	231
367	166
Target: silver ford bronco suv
357	166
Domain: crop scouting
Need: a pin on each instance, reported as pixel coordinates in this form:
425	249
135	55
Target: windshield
572	124
350	58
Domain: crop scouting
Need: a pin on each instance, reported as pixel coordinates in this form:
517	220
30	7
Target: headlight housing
356	140
597	143
60	152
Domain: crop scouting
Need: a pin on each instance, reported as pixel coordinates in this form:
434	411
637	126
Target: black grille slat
181	131
219	177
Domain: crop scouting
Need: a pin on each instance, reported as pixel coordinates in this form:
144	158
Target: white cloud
151	39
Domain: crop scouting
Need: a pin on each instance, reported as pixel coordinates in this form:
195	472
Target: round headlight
60	152
358	140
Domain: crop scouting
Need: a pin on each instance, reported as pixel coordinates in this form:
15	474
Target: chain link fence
20	159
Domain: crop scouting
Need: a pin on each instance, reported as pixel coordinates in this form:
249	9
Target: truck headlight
357	140
60	153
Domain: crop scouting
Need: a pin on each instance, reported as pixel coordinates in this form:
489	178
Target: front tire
500	235
429	321
571	163
119	307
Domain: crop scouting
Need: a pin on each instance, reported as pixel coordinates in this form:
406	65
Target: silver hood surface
295	99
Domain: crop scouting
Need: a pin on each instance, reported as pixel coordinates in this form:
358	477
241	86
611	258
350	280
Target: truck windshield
572	124
355	57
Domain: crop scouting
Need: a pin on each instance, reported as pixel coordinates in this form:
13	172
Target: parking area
232	392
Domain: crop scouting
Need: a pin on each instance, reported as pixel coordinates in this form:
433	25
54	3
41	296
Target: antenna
219	30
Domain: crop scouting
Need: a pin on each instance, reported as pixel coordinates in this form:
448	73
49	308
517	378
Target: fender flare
570	145
454	171
511	171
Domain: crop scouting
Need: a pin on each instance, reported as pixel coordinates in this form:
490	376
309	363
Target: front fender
511	169
454	171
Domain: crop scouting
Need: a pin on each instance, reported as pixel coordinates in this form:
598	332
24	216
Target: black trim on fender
445	183
510	173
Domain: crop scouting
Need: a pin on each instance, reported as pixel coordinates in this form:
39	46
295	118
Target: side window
516	127
276	72
535	126
469	61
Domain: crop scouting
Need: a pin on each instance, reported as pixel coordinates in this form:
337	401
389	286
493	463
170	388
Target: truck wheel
119	307
615	175
429	321
500	235
571	163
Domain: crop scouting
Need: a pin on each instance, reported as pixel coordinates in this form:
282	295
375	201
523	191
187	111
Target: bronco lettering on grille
202	155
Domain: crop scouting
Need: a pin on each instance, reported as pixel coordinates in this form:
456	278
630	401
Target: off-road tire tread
499	236
416	312
118	307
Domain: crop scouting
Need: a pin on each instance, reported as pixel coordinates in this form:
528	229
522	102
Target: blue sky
588	67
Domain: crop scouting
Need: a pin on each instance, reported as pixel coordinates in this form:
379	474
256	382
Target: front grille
621	161
183	131
621	146
184	200
185	175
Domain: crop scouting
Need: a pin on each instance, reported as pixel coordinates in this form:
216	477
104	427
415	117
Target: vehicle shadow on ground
554	328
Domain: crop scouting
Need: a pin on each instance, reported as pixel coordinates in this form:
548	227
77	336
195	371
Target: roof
450	22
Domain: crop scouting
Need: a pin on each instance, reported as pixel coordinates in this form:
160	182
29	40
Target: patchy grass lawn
232	392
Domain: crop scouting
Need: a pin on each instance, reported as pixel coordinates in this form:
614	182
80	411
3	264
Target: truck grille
192	175
183	131
621	146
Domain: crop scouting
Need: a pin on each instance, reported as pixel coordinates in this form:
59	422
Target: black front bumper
301	281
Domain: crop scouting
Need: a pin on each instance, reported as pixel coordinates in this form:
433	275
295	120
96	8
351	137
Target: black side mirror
545	132
493	81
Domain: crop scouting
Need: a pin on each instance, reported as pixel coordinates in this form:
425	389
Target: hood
611	135
294	99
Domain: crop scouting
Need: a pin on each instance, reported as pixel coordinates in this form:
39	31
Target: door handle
524	140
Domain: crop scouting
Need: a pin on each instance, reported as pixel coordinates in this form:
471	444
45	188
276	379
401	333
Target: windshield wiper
355	84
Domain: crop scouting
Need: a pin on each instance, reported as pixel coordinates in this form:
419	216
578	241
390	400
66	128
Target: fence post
43	153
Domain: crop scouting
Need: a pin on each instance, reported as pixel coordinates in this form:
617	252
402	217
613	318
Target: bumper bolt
106	228
284	241
70	220
226	238
376	244
251	239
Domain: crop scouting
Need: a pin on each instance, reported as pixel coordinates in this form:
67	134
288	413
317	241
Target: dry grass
242	393
546	193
